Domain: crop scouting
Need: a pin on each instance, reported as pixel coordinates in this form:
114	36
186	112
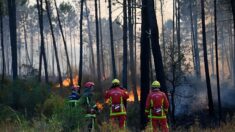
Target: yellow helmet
115	81
156	84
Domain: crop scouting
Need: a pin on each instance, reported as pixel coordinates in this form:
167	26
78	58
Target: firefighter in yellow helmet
157	107
117	95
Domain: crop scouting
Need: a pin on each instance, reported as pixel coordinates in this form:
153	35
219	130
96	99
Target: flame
99	106
131	95
66	82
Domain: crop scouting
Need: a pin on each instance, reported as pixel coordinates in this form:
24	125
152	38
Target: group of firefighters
156	104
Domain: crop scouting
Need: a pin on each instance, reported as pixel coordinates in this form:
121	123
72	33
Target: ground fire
66	82
131	95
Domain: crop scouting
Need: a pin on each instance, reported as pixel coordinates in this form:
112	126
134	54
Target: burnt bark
217	60
54	43
13	36
111	39
42	48
65	44
209	93
81	45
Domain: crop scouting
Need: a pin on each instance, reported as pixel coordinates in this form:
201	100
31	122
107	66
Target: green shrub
24	96
71	117
52	104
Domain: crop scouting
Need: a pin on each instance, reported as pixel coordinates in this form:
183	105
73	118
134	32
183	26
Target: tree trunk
124	70
144	64
217	62
2	43
101	44
111	39
13	35
97	44
26	44
65	44
163	34
32	47
131	45
212	51
54	43
157	56
81	46
233	11
90	40
178	34
209	93
42	49
193	37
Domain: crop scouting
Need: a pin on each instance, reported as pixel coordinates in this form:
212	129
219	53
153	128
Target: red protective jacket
157	105
116	97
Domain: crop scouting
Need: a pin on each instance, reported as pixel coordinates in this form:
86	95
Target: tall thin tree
233	12
42	47
2	39
111	39
209	93
13	36
65	44
217	60
54	43
97	42
124	70
90	39
81	45
131	48
144	63
157	56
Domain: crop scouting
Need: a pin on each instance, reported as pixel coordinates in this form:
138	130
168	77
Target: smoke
191	96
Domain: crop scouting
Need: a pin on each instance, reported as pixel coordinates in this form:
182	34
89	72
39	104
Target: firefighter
74	96
89	105
157	107
116	96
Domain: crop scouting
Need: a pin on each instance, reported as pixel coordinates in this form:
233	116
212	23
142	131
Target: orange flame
66	82
99	106
131	95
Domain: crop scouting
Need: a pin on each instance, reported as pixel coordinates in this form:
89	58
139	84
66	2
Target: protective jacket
157	104
116	97
157	107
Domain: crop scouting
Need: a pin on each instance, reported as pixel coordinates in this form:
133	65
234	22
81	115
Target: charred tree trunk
209	93
42	49
233	11
90	39
157	56
97	43
81	46
163	34
2	42
25	41
178	34
193	38
144	65
217	61
54	43
13	36
131	48
65	44
101	44
111	39
124	70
